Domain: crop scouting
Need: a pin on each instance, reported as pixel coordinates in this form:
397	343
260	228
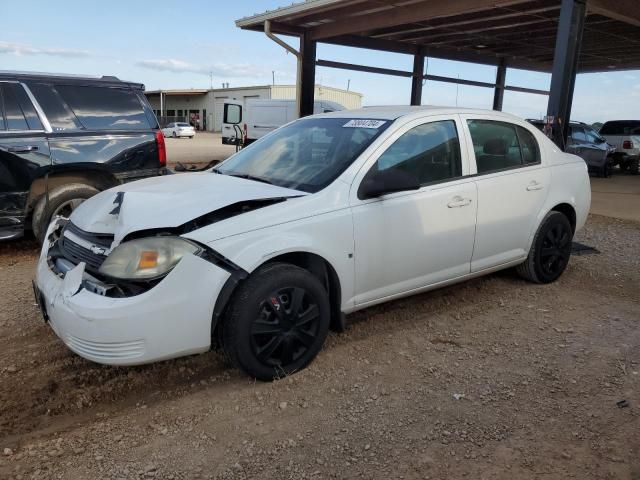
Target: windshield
182	125
306	155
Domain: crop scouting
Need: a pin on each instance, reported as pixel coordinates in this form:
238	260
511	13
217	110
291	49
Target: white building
206	105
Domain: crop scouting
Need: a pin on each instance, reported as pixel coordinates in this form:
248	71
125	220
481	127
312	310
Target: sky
195	44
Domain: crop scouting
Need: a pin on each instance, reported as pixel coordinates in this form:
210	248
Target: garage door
218	113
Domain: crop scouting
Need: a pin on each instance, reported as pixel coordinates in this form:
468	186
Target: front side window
105	108
13	113
306	155
430	152
501	145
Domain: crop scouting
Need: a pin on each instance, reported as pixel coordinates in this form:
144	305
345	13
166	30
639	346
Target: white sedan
330	214
179	129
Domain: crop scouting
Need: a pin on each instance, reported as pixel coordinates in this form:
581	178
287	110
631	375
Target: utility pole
348	84
211	79
273	77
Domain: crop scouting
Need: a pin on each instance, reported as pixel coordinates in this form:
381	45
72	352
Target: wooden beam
423	11
627	11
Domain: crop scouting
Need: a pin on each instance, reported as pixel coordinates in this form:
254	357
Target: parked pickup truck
63	139
259	117
625	136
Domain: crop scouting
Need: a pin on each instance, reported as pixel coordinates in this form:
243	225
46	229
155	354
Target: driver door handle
534	186
22	149
458	201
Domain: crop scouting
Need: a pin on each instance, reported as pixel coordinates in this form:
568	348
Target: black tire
605	171
174	134
634	166
550	251
264	333
62	201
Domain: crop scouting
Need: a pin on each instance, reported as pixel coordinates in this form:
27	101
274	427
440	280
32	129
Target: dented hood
168	202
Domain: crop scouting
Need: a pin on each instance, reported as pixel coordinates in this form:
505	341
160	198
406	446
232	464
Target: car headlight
146	258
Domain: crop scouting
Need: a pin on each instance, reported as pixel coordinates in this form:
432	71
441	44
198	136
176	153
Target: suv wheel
634	166
550	251
62	201
277	322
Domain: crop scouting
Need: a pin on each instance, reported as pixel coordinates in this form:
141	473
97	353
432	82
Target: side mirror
377	183
232	113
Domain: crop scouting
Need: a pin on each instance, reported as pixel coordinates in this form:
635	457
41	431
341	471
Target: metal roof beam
405	15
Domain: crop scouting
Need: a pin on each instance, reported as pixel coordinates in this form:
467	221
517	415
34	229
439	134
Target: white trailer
258	117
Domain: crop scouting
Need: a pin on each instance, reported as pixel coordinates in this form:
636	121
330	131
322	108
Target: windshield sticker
364	124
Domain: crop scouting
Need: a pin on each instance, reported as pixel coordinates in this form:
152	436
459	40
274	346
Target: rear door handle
458	201
22	149
534	186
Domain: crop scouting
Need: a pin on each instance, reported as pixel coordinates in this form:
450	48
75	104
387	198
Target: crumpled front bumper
170	320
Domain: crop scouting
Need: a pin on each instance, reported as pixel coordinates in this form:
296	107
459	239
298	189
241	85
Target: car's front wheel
550	251
61	201
277	322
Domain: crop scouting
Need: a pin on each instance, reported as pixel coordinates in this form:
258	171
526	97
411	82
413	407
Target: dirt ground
494	378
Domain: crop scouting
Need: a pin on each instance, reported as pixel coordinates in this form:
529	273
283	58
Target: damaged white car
332	213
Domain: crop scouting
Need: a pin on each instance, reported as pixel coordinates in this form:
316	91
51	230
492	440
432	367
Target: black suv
64	138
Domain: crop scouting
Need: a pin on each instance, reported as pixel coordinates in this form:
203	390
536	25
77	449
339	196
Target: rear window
182	125
105	108
621	127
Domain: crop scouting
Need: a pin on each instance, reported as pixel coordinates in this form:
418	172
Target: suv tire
634	166
550	250
62	201
277	322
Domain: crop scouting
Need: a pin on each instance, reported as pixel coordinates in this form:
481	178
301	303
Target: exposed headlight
146	258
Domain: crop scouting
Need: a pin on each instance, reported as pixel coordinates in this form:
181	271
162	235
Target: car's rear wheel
550	251
277	322
634	166
174	134
62	202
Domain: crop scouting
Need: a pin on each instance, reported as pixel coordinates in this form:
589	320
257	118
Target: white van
259	117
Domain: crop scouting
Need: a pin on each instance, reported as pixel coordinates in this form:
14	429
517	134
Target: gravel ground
494	378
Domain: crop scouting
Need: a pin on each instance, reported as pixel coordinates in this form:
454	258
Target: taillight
162	149
627	144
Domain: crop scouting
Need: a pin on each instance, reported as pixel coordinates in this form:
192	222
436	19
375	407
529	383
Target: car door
577	143
408	240
24	155
512	183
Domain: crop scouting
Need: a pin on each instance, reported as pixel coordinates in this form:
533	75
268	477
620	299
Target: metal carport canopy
564	37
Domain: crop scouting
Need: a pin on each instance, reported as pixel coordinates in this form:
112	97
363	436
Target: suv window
14	117
578	135
430	151
103	108
621	127
57	112
497	146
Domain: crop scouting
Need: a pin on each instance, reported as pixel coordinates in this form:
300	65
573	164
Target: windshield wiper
247	176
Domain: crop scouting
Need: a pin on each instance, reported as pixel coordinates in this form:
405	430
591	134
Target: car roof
397	111
105	80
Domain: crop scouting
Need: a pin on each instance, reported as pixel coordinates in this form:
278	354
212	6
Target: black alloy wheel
286	327
277	321
556	250
550	250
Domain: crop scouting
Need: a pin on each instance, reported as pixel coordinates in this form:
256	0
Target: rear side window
430	151
528	146
621	127
105	108
58	114
500	145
